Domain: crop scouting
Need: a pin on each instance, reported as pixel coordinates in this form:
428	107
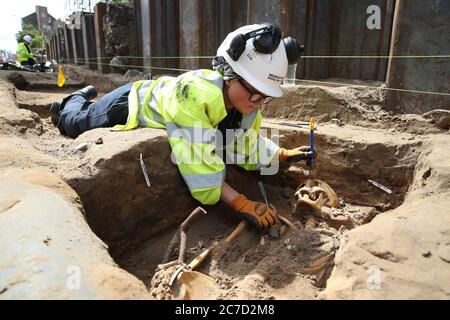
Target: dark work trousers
29	63
79	115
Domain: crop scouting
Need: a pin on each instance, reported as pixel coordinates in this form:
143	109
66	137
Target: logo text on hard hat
275	78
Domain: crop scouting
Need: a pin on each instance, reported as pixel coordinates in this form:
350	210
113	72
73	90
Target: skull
316	194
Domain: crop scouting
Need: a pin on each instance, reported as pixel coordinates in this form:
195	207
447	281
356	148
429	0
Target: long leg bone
185	227
180	236
288	223
202	256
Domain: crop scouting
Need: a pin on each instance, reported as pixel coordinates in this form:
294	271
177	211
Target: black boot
55	109
89	92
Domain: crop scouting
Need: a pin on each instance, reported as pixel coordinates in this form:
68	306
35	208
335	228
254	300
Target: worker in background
249	68
24	54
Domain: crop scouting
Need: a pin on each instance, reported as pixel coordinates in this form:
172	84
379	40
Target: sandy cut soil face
361	242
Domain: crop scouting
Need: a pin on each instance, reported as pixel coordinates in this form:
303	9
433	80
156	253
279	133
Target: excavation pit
138	222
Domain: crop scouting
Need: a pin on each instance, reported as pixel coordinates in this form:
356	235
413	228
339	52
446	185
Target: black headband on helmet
265	40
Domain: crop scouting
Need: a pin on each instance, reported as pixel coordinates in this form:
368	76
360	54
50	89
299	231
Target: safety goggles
255	97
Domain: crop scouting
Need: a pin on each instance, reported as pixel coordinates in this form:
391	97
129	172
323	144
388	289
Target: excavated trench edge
296	139
410	181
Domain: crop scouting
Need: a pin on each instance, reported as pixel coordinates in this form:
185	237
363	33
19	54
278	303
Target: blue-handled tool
311	140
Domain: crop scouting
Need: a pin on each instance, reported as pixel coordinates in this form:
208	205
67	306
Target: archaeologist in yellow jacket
212	117
24	54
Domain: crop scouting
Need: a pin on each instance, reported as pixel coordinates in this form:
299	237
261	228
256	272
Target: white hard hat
265	72
27	38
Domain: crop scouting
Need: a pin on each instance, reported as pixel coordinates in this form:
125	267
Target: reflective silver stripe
156	115
143	90
157	118
162	82
248	119
191	134
212	78
142	120
207	180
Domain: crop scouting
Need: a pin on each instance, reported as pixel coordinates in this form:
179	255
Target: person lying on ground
208	115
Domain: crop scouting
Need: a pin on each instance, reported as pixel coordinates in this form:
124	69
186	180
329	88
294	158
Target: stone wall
120	35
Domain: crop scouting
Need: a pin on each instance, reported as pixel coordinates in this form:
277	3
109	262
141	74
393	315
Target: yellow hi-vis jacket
190	107
23	53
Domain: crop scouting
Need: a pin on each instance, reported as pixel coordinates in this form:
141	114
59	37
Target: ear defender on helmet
266	41
293	49
237	46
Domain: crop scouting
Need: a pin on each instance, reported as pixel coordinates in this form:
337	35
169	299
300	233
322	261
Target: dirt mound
439	117
300	102
370	266
75	77
13	120
350	104
23	80
47	249
103	82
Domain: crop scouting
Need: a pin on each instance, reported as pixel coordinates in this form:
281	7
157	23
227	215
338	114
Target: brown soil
137	223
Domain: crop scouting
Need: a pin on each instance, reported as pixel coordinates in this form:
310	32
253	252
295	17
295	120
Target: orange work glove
256	212
297	154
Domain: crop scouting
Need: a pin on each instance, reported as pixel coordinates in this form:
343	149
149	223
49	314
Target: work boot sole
89	92
55	109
